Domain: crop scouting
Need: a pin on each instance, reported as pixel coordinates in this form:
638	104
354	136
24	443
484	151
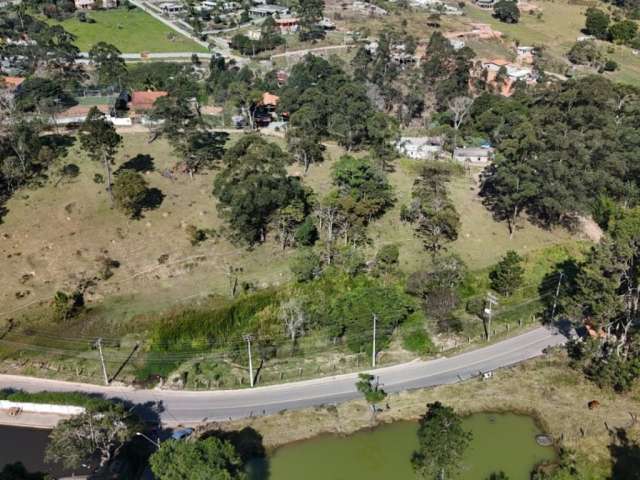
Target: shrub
305	265
129	192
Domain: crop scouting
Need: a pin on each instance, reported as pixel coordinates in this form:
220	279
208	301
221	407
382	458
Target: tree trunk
107	167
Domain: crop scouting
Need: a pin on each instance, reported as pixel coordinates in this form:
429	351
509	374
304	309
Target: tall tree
206	459
253	186
100	142
310	13
368	386
442	443
507	11
507	275
597	23
108	62
433	214
93	435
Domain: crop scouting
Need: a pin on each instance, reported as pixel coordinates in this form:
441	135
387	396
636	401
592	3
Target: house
254	34
326	24
525	54
12	83
457	43
369	8
270	100
143	101
485	3
419	148
92	4
473	156
287	24
268	11
170	8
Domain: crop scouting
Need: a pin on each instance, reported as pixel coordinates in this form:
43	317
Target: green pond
500	442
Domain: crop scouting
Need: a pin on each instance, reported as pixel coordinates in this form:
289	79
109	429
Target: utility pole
373	350
488	311
248	338
104	368
555	298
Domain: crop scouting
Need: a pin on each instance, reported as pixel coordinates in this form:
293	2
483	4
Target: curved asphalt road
187	407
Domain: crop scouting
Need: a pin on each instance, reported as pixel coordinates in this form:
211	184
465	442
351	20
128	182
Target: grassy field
561	23
131	31
546	388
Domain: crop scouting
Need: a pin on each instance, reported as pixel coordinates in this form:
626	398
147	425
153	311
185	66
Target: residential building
93	4
473	156
270	100
170	8
485	3
268	10
12	83
143	101
287	24
419	148
525	54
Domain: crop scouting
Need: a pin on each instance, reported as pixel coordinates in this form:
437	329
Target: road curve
188	407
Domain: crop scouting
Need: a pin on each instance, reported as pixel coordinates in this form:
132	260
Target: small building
457	43
485	3
270	100
419	148
171	8
92	5
12	83
143	101
254	34
525	54
473	156
287	25
326	24
268	10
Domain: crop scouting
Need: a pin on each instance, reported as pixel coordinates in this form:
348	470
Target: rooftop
145	100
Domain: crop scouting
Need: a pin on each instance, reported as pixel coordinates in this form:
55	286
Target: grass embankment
545	388
131	31
55	398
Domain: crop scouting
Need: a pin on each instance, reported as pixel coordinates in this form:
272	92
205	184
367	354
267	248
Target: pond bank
546	388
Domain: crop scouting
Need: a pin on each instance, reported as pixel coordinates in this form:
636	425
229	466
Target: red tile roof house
78	114
142	102
11	83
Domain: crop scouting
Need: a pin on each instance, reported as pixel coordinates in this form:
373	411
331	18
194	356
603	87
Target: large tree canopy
253	186
559	149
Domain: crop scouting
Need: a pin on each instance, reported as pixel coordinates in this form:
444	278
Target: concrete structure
419	148
473	156
41	408
92	4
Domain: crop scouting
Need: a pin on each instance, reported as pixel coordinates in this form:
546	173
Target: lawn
132	31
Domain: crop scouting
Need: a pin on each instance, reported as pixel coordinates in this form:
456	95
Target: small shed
473	156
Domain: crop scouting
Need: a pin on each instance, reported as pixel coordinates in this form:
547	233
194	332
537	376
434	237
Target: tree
206	459
100	142
288	219
507	11
303	141
442	442
387	259
305	265
129	192
310	13
498	476
92	435
460	108
624	31
383	133
294	318
254	186
65	306
597	23
434	216
507	275
109	65
585	53
371	391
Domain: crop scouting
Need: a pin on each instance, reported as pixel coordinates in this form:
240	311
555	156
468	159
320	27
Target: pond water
26	445
500	442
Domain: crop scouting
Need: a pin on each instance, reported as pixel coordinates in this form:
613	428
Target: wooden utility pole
104	368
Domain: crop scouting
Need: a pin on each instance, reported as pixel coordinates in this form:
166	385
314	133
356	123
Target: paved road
192	407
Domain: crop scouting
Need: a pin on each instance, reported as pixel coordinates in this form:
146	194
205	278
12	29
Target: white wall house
419	148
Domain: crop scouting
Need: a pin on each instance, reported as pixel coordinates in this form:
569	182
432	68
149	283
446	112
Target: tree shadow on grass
153	199
140	163
625	454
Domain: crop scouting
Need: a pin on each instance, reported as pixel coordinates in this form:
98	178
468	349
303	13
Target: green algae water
500	442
